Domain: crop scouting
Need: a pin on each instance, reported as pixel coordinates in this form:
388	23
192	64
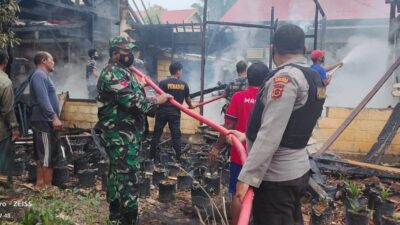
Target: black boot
130	218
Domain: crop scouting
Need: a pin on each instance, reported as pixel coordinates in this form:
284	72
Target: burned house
351	31
66	29
356	33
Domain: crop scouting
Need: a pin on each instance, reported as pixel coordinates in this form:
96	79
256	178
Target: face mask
126	63
323	60
96	57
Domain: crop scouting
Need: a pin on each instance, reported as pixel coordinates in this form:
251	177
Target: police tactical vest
302	121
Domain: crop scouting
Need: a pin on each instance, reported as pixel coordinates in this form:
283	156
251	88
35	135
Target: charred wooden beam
260	26
330	164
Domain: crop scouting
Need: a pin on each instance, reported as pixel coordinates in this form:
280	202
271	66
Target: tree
8	10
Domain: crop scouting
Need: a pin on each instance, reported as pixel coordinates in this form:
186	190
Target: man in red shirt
236	117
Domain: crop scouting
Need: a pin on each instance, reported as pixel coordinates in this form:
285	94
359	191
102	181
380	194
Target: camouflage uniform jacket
7	115
122	106
238	84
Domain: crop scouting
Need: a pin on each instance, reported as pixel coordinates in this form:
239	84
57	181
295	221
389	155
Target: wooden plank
372	166
62	98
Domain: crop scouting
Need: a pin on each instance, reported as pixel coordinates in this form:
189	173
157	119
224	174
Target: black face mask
323	60
126	63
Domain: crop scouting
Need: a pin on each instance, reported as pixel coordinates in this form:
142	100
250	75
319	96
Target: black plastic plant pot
184	182
60	176
386	220
321	214
203	160
78	147
185	162
148	165
165	158
381	208
195	157
144	187
199	196
18	168
212	185
31	168
199	171
80	164
159	175
87	177
354	218
387	208
102	168
167	191
173	169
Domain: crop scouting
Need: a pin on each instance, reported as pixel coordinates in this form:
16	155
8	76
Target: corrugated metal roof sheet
286	10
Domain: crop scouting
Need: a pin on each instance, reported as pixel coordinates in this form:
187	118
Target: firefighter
318	58
122	106
238	84
236	117
287	108
168	113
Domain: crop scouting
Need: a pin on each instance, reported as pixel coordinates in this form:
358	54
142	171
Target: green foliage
324	200
8	10
352	189
357	206
71	205
384	193
44	217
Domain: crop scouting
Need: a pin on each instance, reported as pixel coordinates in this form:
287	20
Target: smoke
224	67
365	61
71	78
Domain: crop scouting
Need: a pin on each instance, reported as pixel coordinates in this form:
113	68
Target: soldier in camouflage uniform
122	106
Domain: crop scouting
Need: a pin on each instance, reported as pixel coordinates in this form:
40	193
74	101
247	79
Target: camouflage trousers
123	176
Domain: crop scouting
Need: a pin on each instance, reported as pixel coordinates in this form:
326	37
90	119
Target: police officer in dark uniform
287	108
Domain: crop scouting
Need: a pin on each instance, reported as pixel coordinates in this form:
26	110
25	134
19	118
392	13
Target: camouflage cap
121	42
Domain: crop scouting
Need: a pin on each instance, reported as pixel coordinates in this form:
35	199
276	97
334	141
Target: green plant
384	193
8	10
352	189
357	206
45	217
323	199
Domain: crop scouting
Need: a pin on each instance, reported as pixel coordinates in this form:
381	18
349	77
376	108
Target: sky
168	4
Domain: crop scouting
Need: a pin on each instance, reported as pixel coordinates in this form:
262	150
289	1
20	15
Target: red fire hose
248	198
208	101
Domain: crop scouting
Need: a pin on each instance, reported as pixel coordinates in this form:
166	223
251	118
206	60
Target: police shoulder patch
277	91
284	79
